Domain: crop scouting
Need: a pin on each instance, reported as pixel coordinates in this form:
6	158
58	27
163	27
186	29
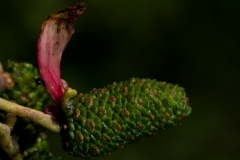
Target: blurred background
190	43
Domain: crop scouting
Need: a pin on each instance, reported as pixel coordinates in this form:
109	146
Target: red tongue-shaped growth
55	33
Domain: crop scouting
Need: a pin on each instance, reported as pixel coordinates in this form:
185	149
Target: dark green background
194	44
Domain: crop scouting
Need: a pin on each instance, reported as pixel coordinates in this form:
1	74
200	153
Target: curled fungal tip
54	36
76	10
69	14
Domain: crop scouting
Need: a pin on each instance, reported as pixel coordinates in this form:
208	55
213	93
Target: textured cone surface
26	93
108	119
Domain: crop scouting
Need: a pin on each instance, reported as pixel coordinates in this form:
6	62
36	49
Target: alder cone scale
104	120
25	91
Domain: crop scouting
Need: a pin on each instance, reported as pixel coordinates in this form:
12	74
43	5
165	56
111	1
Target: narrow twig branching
36	116
10	120
9	143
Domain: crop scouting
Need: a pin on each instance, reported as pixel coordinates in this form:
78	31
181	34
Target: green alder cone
25	92
104	120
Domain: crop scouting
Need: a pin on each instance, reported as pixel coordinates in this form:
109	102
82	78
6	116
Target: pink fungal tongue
54	35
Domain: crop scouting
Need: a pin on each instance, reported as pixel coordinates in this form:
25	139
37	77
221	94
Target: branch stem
36	116
10	120
9	143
